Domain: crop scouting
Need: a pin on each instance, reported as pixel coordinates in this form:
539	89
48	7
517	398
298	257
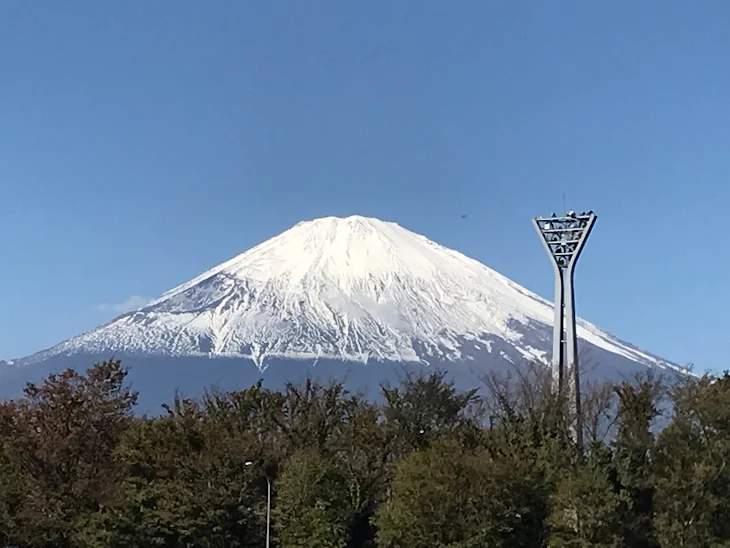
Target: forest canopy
426	466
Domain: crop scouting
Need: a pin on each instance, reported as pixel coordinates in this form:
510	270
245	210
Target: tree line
426	466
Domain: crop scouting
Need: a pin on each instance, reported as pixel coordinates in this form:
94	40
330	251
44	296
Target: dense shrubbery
429	467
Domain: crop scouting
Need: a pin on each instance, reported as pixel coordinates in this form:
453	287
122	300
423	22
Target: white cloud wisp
135	302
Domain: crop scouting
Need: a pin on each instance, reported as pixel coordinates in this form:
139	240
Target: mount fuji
354	298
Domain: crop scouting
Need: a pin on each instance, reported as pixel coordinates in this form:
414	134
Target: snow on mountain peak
346	252
353	288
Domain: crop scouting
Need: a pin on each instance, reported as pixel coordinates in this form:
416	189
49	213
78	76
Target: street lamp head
268	505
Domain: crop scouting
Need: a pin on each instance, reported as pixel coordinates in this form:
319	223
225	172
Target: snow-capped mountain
351	290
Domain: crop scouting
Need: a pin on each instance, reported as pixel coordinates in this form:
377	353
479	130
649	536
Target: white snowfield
354	289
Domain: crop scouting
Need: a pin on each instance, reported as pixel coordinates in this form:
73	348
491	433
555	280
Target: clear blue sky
143	142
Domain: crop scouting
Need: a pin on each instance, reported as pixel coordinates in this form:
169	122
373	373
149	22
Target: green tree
449	496
585	506
693	478
311	415
185	485
312	505
632	459
362	452
424	407
58	441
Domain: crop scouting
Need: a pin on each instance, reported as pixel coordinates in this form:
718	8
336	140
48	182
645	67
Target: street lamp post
268	504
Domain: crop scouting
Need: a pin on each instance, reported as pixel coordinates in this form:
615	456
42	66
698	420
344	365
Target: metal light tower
564	238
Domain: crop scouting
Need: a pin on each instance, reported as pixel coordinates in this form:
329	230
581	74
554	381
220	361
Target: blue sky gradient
144	142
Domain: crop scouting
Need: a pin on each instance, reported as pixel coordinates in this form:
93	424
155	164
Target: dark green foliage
585	506
633	447
424	407
57	446
185	484
449	496
313	507
691	462
429	467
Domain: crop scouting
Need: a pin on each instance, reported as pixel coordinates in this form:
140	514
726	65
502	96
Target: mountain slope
355	289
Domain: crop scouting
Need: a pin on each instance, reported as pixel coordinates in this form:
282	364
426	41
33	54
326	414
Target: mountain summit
355	289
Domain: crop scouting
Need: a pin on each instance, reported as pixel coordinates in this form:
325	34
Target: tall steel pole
268	504
564	238
268	511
